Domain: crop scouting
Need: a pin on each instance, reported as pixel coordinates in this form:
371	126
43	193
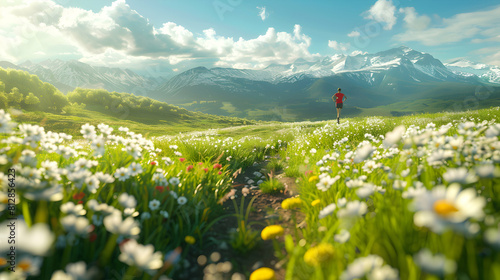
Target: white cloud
413	20
476	26
383	11
263	13
118	35
489	55
272	47
354	34
343	47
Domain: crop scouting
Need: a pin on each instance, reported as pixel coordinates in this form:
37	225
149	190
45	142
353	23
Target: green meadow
134	192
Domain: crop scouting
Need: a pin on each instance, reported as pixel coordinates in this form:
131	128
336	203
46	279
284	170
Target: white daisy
114	223
487	171
143	257
135	169
371	267
353	209
328	210
434	264
459	175
71	208
164	214
154	204
76	225
122	174
182	200
363	152
342	237
442	208
127	201
174	181
326	182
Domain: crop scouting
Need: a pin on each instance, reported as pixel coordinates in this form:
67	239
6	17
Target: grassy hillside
36	102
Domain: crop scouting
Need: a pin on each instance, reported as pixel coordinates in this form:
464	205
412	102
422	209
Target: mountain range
68	75
296	91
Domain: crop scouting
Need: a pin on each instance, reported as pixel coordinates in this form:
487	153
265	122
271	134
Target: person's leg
338	113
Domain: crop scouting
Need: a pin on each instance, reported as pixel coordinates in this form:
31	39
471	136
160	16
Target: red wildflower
220	172
78	196
206	169
217	166
189	168
200	163
160	188
153	162
79	202
182	159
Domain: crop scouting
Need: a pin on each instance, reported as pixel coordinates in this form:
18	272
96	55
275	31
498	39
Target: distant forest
22	90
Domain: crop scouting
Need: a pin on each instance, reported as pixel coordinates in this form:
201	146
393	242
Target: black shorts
339	105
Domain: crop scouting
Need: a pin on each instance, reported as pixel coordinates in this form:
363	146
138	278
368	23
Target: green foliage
4	100
245	238
15	97
21	85
275	165
31	99
272	185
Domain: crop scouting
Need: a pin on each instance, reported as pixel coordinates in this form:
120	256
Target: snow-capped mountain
489	73
67	75
402	63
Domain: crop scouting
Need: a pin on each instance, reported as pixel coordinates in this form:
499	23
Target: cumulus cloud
263	13
413	21
343	47
118	35
477	26
272	47
383	11
354	34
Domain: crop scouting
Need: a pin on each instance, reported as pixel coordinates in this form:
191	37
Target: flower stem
26	213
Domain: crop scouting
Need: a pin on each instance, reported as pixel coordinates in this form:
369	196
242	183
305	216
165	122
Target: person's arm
345	98
334	99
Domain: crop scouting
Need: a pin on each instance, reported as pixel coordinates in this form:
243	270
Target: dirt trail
266	210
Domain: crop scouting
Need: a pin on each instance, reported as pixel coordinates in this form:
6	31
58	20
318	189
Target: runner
339	103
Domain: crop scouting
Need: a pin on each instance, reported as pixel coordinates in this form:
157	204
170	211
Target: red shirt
339	96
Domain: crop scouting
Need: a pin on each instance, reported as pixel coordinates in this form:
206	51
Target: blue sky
174	35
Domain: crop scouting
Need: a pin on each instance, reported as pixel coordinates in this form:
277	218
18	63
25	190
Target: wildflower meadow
414	197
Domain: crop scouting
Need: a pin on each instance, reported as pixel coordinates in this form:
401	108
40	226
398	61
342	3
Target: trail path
266	210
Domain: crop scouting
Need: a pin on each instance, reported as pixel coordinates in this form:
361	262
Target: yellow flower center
444	208
3	261
24	265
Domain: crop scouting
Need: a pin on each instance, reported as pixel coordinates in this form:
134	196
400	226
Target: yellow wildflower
320	254
271	232
315	202
291	203
263	273
190	240
313	178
